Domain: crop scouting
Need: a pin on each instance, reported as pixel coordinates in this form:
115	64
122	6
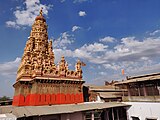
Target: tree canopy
4	98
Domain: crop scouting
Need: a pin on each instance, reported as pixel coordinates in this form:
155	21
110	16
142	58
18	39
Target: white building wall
8	116
143	110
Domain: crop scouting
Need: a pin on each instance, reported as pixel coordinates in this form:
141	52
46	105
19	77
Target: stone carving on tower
39	80
38	57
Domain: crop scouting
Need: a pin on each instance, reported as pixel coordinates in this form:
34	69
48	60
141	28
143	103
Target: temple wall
47	99
65	87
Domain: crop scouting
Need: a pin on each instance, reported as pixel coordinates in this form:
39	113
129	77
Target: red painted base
47	99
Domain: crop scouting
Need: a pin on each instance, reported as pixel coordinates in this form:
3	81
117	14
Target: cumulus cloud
25	16
134	55
107	39
12	24
61	52
128	50
102	73
63	41
132	49
60	45
9	68
96	47
130	54
154	32
8	76
112	66
74	28
82	13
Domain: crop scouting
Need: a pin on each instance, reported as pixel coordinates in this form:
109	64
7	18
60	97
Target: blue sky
108	35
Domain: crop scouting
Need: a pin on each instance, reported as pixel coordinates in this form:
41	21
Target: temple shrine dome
40	16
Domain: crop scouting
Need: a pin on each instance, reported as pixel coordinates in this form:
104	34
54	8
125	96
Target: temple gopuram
39	80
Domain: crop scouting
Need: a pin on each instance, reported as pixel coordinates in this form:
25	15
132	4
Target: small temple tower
41	82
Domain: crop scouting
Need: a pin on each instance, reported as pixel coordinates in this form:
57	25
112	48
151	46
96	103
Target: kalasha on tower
39	80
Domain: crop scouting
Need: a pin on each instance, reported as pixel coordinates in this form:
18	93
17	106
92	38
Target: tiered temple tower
39	80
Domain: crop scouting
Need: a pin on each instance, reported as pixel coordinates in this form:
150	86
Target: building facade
107	93
143	96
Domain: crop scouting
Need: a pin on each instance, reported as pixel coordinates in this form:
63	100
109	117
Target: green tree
4	98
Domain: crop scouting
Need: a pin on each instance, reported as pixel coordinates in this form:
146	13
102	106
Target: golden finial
62	58
78	61
41	11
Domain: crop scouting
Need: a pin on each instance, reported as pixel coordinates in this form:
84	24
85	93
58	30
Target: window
151	119
93	114
135	118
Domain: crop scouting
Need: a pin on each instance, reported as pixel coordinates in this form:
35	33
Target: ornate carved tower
39	80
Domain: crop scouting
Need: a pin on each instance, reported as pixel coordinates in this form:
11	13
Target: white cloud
112	66
132	48
102	73
9	68
74	28
25	16
155	32
107	39
82	13
130	54
91	52
64	40
12	24
82	54
8	76
61	52
61	44
96	47
128	50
